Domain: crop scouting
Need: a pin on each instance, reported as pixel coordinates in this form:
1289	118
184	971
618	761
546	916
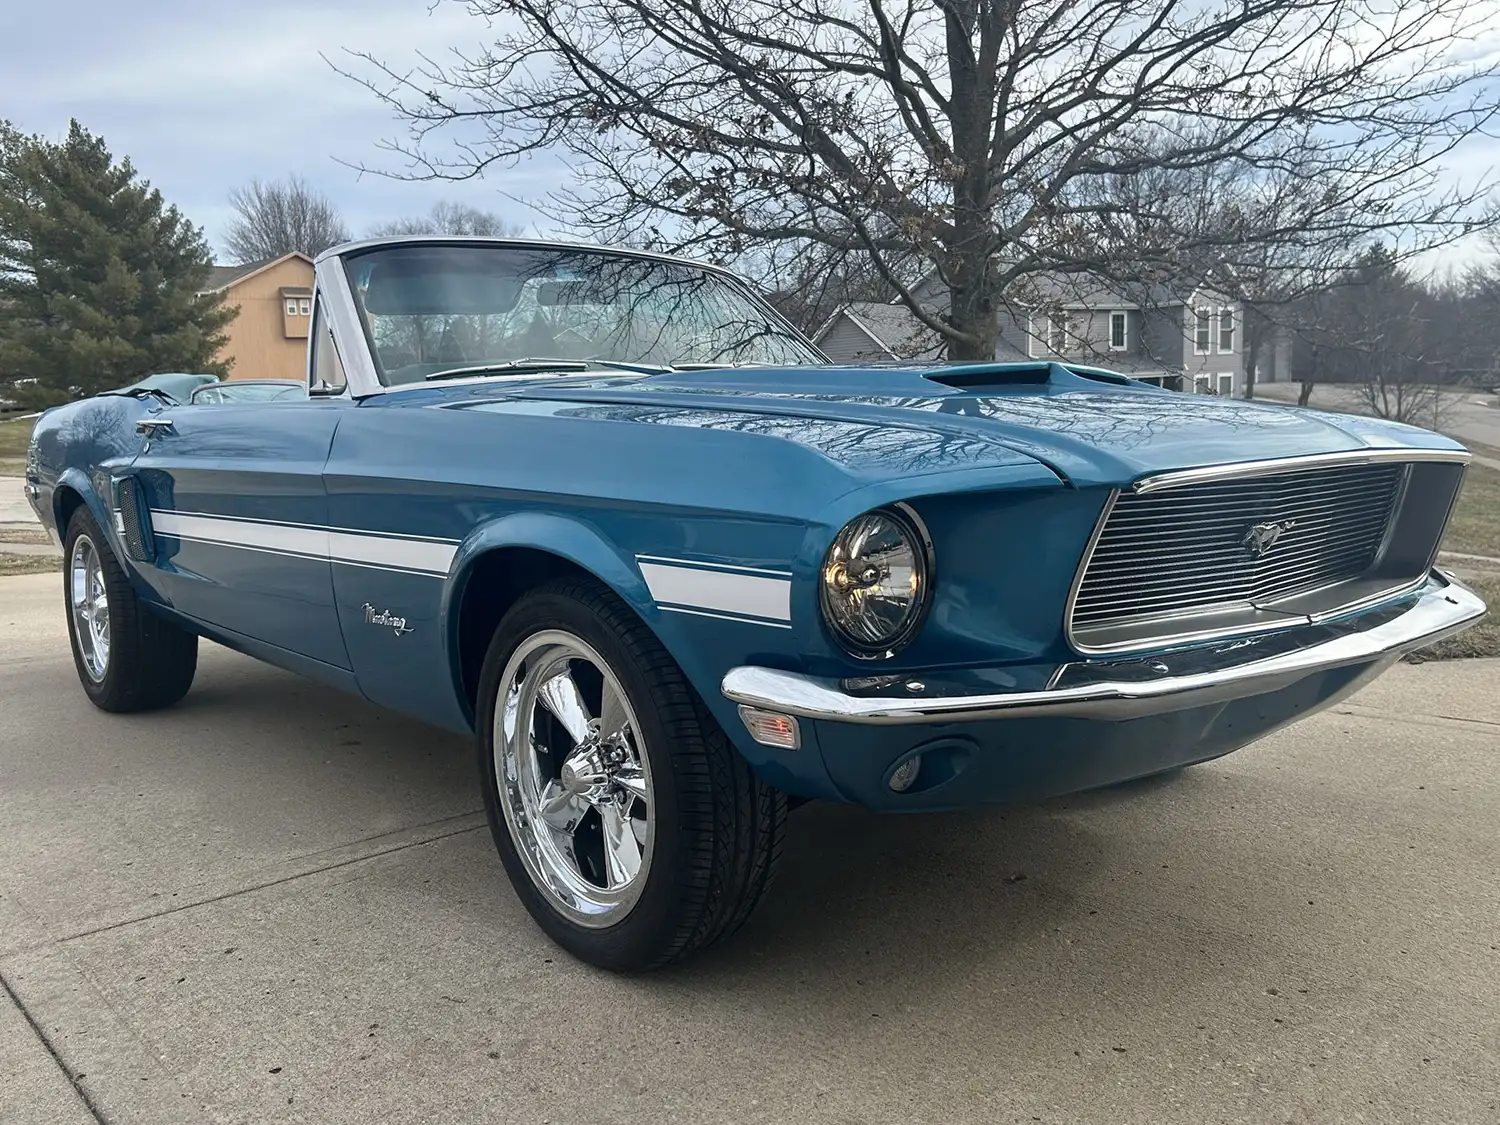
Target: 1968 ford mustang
611	513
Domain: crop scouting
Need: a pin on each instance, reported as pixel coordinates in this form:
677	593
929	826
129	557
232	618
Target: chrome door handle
153	427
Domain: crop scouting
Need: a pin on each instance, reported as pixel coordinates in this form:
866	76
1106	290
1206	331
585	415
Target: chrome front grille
1226	555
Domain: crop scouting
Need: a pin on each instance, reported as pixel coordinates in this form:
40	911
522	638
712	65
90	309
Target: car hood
1087	429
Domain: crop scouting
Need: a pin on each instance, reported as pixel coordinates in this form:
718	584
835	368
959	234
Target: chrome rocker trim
1124	689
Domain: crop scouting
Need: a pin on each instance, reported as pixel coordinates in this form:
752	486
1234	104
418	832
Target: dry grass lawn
28	564
1483	639
1475	527
24	535
13	438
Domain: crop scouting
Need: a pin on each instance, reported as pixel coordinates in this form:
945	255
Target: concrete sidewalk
276	903
14	508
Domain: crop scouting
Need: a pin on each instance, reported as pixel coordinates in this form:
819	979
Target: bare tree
458	219
964	133
1217	210
812	283
276	218
1381	333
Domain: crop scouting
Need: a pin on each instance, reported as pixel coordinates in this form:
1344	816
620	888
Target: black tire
718	828
149	662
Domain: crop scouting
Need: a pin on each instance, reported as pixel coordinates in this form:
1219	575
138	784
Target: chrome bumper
1125	689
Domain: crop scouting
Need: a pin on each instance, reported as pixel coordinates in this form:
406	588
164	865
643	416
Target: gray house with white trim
1189	343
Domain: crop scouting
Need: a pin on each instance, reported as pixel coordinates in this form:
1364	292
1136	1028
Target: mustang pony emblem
375	616
1263	536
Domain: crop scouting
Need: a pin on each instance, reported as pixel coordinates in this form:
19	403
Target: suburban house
268	340
1188	343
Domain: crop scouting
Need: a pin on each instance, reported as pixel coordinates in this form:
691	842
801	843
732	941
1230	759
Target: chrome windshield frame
348	325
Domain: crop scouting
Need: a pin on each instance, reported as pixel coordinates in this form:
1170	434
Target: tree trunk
973	300
1306	393
972	310
1252	353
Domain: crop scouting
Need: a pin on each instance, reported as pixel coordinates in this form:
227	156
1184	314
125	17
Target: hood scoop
998	376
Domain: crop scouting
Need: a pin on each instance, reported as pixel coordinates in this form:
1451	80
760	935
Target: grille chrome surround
1172	559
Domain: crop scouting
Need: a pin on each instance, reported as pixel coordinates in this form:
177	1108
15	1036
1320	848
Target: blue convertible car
611	513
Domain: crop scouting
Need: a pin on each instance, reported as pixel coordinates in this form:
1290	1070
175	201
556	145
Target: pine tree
99	278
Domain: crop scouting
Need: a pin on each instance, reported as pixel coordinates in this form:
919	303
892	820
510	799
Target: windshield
438	308
248	392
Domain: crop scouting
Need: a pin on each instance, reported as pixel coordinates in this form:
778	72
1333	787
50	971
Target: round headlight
876	583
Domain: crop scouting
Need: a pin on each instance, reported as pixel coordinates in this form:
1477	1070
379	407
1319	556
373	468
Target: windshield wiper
143	392
512	366
710	366
642	368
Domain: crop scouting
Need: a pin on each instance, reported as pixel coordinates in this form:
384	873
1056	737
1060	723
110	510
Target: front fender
92	488
566	537
584	545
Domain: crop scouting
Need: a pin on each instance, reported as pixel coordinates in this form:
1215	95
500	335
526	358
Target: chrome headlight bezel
913	532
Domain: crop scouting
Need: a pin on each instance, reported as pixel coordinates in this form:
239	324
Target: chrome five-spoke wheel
89	599
574	778
630	827
128	658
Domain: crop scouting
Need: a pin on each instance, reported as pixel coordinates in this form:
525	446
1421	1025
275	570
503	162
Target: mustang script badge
1263	536
375	616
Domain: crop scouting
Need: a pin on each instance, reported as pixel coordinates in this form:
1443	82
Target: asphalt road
274	903
1468	416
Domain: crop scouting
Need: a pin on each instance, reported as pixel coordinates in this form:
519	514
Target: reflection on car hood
1086	430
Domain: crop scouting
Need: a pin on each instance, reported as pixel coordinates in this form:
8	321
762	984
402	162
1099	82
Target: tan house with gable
268	340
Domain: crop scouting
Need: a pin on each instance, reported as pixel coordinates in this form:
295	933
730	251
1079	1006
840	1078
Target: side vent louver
134	530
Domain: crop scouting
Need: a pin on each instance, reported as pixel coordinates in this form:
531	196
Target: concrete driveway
274	903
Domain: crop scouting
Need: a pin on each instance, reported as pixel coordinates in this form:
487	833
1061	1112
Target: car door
239	517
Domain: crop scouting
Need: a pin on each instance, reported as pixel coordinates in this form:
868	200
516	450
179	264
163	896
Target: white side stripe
378	551
725	617
748	595
408	554
239	533
715	566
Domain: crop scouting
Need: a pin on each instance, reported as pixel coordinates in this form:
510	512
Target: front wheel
128	659
631	829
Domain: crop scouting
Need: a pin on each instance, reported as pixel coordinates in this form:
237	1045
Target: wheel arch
73	491
500	561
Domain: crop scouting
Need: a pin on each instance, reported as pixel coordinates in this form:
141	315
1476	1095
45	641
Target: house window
1203	332
1226	384
1057	333
1226	330
1065	333
291	308
1117	332
304	307
1203	384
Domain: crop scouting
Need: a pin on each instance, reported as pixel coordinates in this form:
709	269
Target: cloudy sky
203	95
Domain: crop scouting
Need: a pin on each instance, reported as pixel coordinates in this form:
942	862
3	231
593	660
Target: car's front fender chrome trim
1123	689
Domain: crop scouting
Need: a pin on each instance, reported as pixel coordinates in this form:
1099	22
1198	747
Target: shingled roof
222	277
895	331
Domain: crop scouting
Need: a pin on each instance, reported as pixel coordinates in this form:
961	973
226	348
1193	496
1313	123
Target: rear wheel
630	827
128	659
